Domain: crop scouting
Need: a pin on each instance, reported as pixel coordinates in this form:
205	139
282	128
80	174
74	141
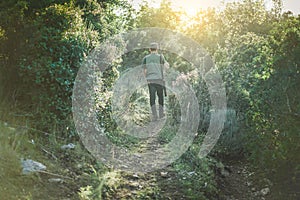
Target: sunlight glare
189	6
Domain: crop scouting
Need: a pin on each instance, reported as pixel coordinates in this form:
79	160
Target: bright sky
191	6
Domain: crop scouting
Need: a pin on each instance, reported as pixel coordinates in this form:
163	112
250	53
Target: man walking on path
153	70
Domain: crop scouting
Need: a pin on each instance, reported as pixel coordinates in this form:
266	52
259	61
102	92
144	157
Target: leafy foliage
44	45
53	57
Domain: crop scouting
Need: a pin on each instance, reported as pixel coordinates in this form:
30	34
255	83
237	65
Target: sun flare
190	7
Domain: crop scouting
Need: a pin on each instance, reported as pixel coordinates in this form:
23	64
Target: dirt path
237	181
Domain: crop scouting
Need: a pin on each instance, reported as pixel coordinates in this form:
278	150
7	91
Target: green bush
58	44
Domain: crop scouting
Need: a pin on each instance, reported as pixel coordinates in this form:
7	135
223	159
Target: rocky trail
237	181
235	178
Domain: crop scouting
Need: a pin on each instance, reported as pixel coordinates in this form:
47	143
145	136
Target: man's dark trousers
158	89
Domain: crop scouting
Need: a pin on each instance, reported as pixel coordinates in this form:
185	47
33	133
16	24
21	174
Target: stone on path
265	191
30	166
68	146
55	180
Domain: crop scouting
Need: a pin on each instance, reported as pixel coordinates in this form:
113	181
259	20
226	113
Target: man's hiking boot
154	113
154	118
161	116
161	112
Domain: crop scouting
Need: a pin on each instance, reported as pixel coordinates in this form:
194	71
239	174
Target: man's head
153	46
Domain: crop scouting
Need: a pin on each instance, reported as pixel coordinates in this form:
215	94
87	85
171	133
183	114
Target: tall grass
10	169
